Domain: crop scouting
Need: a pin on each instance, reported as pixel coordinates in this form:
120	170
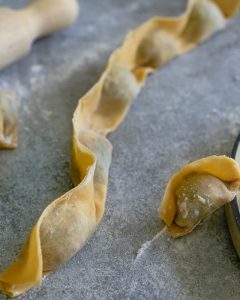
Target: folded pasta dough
197	190
68	222
8	121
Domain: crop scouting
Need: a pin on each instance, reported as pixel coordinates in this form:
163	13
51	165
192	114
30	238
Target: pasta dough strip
68	222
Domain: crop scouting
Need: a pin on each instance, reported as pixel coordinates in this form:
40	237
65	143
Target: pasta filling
199	195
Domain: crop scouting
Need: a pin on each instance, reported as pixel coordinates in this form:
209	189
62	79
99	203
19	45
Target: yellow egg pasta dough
197	190
68	222
8	121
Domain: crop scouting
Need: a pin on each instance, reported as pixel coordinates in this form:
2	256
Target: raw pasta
68	222
8	122
197	190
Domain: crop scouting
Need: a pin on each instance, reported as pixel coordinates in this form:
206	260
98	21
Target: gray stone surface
187	110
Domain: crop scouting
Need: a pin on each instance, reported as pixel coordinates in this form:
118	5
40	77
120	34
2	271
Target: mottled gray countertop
187	110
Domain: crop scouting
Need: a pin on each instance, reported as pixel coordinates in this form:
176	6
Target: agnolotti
69	221
8	122
197	190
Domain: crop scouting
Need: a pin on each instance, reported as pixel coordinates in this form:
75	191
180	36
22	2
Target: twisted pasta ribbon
68	222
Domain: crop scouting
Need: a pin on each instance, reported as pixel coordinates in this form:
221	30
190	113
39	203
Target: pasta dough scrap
68	222
197	190
8	122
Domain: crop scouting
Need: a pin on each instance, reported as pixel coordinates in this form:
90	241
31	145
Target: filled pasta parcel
8	121
197	190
